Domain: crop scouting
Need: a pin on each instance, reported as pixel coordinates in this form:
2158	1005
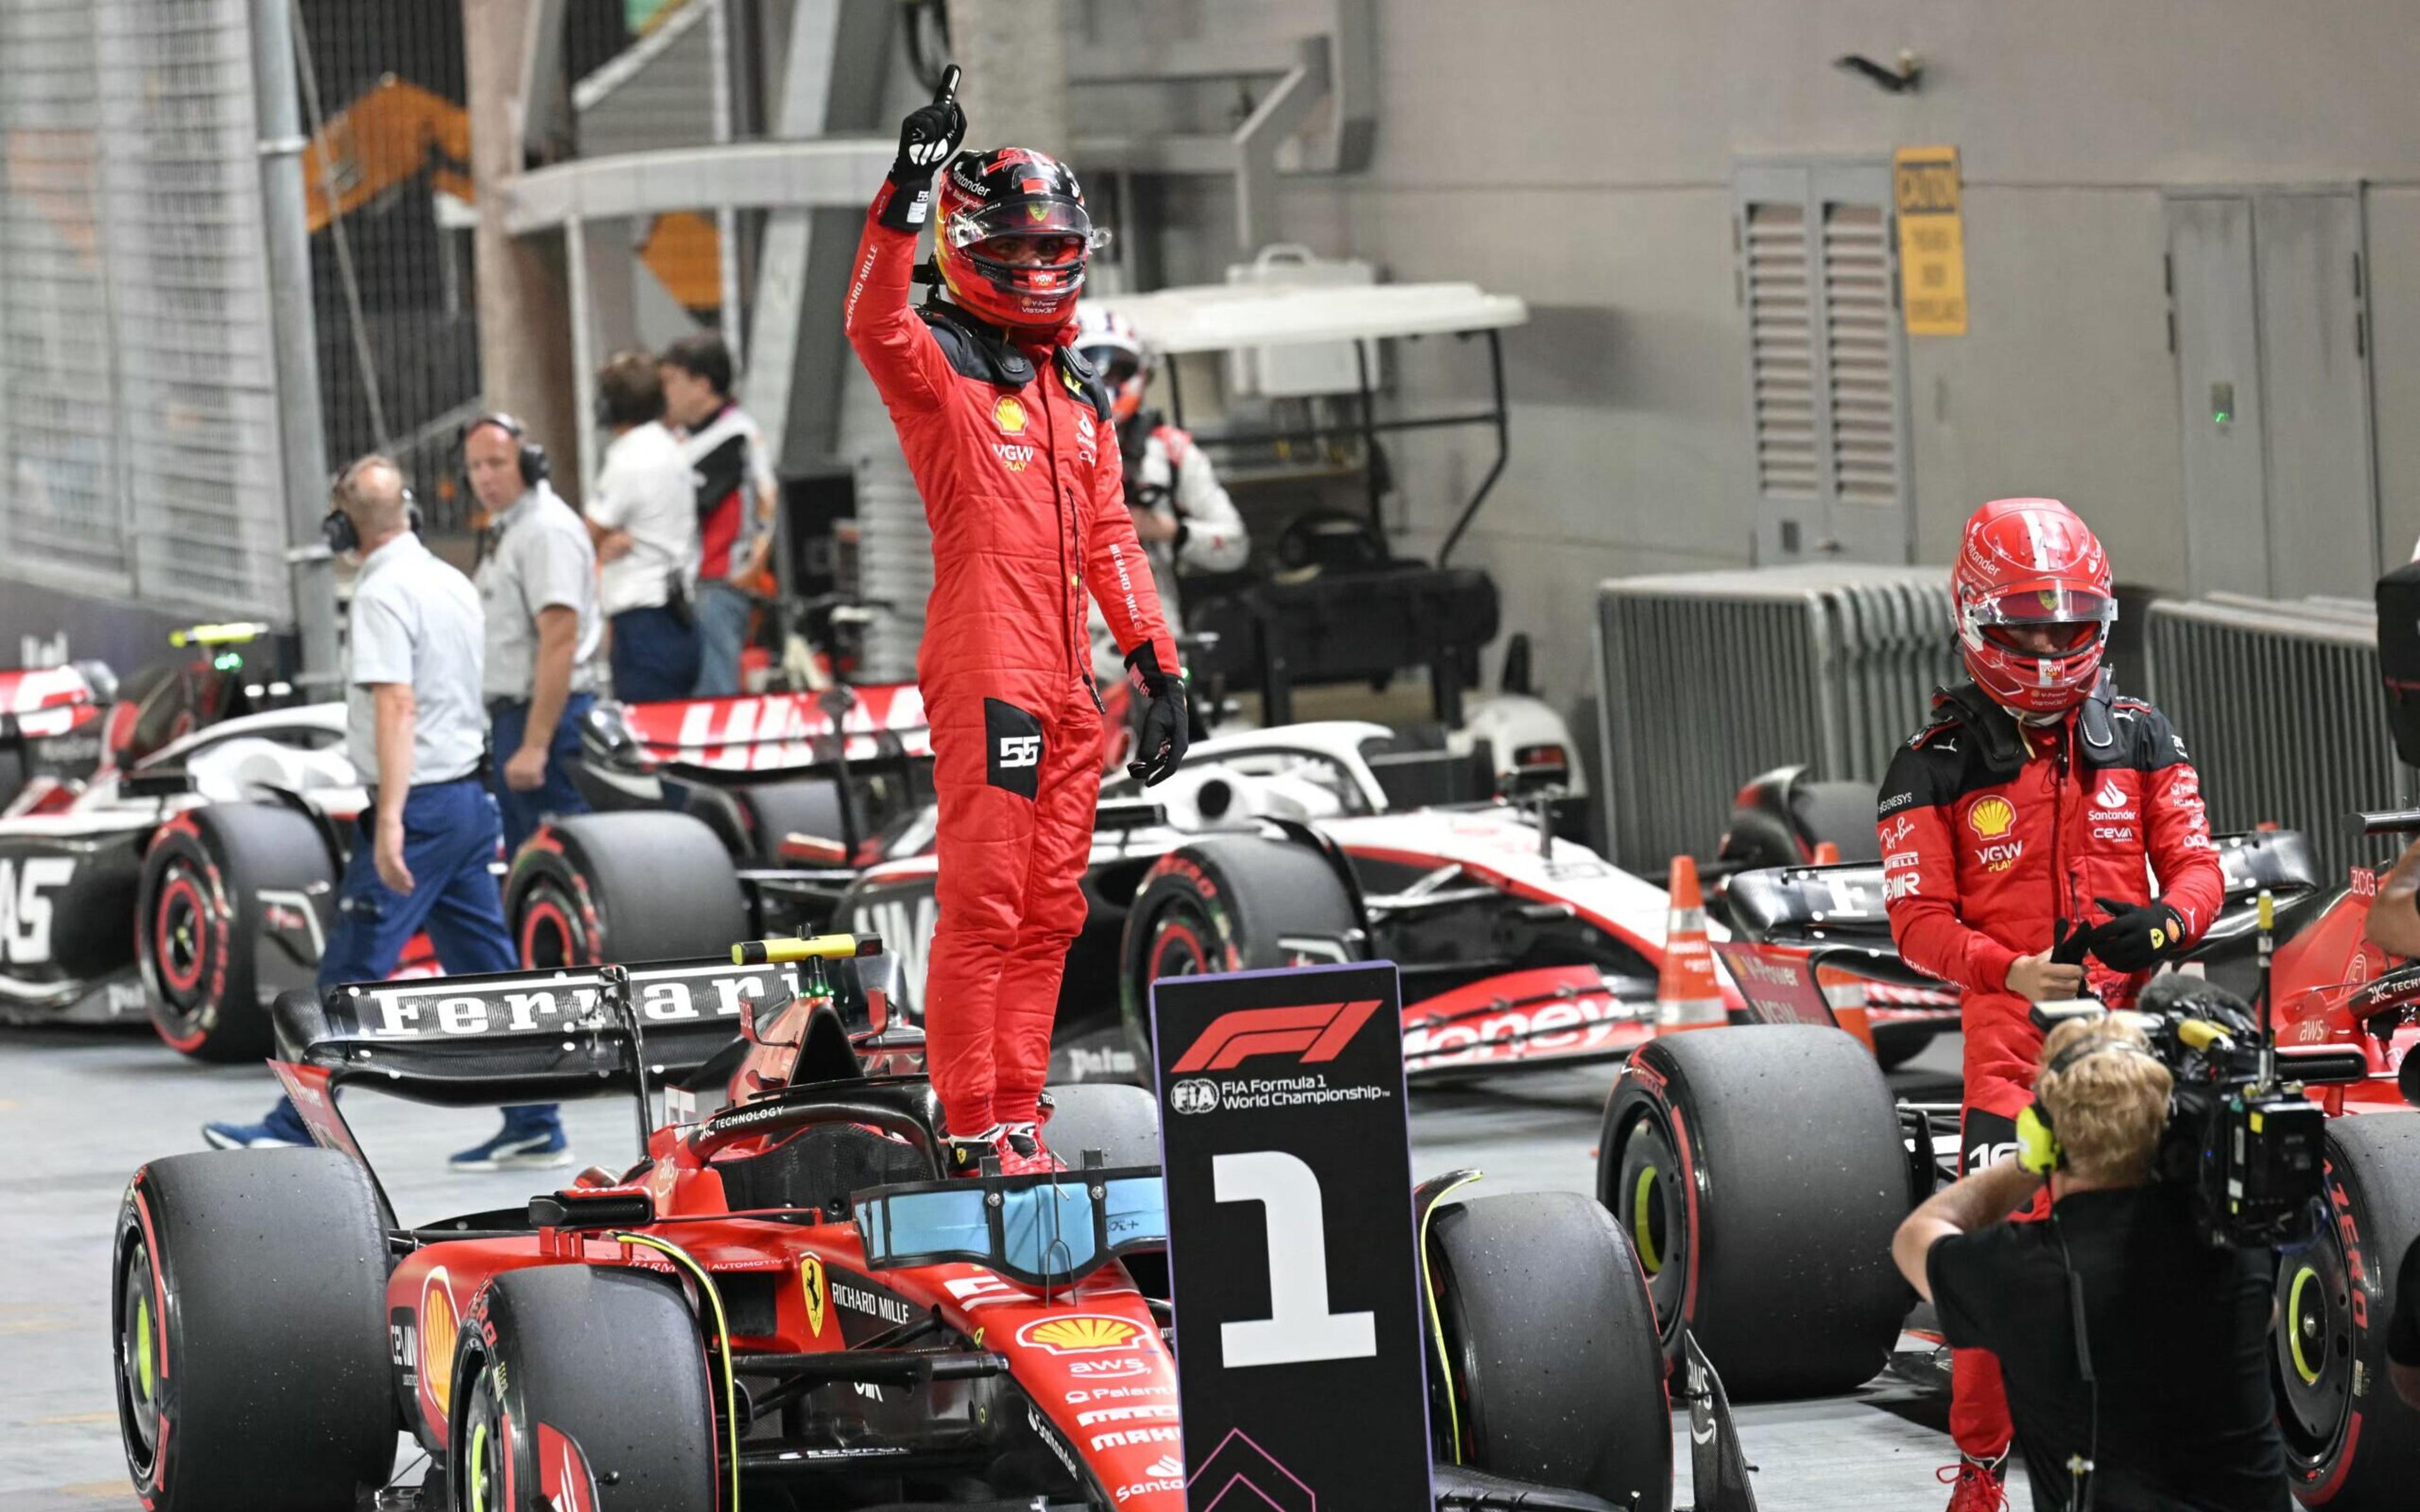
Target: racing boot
965	1156
1023	1153
1975	1485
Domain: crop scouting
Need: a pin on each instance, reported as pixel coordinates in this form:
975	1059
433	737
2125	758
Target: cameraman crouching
2162	1386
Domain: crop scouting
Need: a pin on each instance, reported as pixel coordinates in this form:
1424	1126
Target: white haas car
197	881
1320	843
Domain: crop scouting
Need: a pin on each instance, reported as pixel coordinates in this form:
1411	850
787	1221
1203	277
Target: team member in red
2033	812
1011	443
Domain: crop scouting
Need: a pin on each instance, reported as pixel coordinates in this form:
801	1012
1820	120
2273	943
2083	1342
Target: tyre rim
1649	1202
138	1363
1178	943
2312	1350
483	1464
549	936
180	942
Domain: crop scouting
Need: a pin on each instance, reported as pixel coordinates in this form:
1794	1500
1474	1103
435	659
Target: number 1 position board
1293	1257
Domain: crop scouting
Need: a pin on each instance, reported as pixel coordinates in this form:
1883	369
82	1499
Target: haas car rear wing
723	738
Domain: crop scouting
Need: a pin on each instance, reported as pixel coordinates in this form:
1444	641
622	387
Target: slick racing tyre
1231	903
1552	1371
2352	1445
1760	1173
581	1387
623	887
249	1299
221	884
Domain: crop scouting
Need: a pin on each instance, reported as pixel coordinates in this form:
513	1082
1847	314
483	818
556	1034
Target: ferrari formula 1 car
781	1302
1324	842
1711	1182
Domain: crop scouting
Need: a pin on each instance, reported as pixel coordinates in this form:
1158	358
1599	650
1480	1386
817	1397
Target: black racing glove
1160	747
2136	936
926	140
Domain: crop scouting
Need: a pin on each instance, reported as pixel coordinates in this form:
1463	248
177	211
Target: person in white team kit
1181	514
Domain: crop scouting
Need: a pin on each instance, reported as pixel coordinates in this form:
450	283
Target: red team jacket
1992	835
1021	480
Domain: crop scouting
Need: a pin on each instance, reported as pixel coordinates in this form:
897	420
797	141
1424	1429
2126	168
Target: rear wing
527	1036
1844	904
725	739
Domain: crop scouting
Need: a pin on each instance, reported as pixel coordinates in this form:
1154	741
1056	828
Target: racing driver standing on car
1009	437
2021	830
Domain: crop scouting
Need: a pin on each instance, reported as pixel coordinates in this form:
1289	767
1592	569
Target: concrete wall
1581	155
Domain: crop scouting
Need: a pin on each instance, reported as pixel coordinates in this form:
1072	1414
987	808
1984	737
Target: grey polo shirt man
542	559
416	621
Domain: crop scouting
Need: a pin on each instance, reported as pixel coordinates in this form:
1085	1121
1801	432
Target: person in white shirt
1181	514
642	516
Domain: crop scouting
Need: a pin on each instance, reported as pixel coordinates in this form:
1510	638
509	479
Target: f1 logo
1021	750
1313	1033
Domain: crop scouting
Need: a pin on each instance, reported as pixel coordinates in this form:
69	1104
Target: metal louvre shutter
1858	339
61	496
1782	341
138	416
895	545
1818	284
196	379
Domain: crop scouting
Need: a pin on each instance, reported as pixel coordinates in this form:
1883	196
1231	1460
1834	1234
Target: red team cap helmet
2033	604
990	203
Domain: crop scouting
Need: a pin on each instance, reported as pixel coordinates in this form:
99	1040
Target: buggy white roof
1210	317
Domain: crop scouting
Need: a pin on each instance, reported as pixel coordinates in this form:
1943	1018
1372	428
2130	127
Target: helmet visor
1053	217
2044	621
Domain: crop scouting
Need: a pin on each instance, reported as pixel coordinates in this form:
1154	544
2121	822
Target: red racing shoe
1975	1485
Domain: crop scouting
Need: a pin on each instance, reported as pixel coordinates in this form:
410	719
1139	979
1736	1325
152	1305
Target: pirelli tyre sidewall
2352	1445
623	887
1543	1327
580	1386
1768	1237
1230	903
234	1394
221	884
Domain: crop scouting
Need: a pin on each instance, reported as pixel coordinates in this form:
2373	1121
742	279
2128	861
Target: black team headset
2040	1151
337	528
534	466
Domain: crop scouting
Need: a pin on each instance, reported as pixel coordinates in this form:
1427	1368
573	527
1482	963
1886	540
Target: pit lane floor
78	1110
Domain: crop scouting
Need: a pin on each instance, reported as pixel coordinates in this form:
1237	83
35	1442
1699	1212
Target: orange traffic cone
1826	854
1688	995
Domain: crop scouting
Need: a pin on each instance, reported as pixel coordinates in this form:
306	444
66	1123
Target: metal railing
1709	678
2279	704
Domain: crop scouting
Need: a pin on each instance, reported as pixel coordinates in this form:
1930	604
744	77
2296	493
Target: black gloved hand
1166	733
929	135
2136	936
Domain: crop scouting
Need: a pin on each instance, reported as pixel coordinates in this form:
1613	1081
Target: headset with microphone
531	458
337	528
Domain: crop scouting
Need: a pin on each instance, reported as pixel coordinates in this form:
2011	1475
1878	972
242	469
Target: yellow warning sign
1931	241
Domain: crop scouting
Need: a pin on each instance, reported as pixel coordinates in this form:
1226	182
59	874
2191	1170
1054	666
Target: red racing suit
1994	835
1012	448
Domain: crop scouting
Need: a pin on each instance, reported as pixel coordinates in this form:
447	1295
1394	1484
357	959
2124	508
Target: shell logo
1008	413
1084	1334
439	1327
1992	818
